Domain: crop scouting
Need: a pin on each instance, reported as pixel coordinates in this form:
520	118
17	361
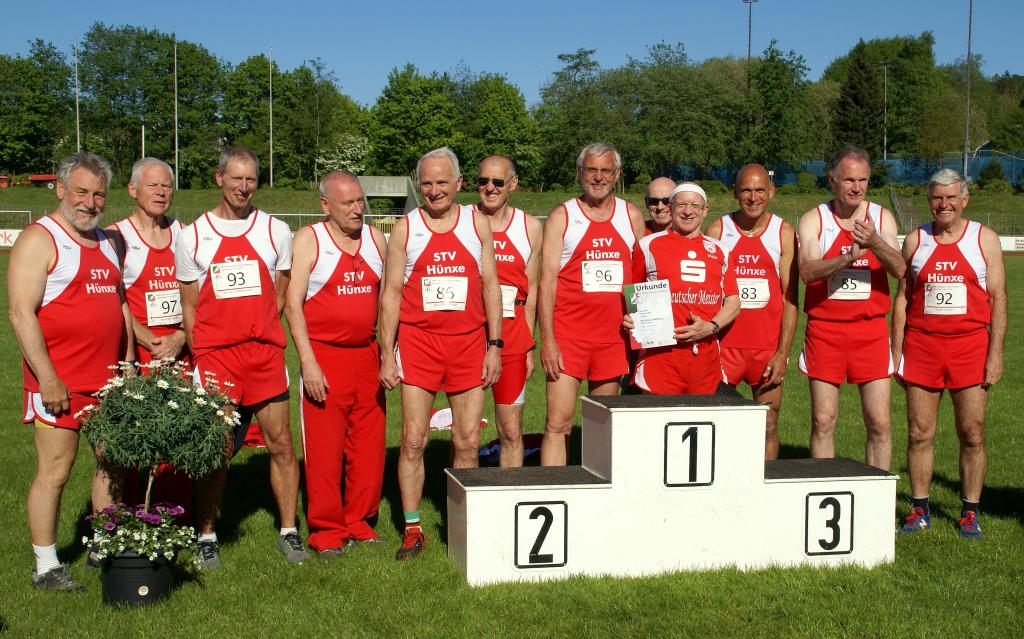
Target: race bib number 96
235	279
850	284
445	293
602	276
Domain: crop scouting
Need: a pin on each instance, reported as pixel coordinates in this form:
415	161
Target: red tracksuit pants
343	444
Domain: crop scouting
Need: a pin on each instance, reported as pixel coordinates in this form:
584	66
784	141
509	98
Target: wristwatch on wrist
715	327
500	343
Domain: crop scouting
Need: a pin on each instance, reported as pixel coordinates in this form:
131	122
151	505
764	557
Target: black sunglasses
654	201
497	182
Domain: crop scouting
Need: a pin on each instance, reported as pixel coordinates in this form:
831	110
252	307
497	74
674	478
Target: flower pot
134	580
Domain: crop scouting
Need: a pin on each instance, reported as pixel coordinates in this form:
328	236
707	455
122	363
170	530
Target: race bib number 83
754	292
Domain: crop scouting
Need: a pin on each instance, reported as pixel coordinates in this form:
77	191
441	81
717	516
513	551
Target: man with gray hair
847	251
233	266
949	323
68	312
440	326
586	257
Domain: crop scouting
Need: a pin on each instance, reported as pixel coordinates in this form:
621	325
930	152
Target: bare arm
884	245
535	233
636	220
902	300
303	254
32	256
811	265
492	299
390	303
551	253
995	283
789	278
189	292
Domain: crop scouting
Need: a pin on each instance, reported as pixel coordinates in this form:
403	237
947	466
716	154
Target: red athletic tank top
511	253
755	264
949	295
151	287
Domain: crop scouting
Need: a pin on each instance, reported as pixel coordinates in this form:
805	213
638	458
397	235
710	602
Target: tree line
662	111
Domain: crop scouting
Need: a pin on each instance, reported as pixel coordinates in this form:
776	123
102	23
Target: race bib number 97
235	279
946	298
850	284
445	293
602	276
163	308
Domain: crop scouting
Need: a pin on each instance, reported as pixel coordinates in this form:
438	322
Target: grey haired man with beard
68	311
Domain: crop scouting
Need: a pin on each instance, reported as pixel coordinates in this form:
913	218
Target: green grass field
938	585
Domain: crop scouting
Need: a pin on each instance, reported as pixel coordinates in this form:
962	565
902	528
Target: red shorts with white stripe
588	360
854	352
256	370
944	361
433	362
35	412
680	370
745	364
511	386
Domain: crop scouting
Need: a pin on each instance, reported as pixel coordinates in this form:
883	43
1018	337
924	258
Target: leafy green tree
858	115
35	114
783	130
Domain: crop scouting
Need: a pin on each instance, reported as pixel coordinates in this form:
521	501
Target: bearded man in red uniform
704	299
440	326
762	250
847	251
332	305
585	259
948	326
233	266
68	312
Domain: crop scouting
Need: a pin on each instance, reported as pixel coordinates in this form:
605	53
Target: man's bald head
660	187
752	169
336	177
753	190
656	199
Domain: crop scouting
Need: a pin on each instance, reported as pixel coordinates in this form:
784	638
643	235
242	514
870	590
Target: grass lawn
938	585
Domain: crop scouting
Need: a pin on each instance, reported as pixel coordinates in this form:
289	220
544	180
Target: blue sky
363	41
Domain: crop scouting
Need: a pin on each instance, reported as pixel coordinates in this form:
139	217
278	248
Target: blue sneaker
969	528
917	520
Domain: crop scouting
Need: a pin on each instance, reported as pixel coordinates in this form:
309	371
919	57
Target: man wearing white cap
704	299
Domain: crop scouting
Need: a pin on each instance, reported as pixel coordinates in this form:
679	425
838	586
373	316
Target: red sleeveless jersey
596	262
443	290
949	295
237	302
857	293
697	269
80	313
511	253
150	285
755	265
342	297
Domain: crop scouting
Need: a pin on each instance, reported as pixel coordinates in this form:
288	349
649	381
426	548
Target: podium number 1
541	534
690	454
829	524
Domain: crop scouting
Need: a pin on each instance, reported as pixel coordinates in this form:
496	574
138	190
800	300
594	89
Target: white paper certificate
650	306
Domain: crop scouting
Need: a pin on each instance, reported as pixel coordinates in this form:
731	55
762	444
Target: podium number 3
829	524
541	534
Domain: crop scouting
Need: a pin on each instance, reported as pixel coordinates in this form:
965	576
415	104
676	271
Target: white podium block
668	483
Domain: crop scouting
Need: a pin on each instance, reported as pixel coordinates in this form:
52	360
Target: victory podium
668	483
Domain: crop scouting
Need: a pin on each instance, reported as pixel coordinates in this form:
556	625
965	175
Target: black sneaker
208	554
56	579
290	545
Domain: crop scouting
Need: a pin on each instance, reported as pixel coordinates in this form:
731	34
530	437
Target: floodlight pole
750	25
78	128
967	99
271	117
885	109
175	114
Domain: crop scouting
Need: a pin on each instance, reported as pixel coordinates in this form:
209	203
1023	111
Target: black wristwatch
500	343
715	327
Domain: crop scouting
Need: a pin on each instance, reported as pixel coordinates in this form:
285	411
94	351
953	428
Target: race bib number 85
445	293
850	284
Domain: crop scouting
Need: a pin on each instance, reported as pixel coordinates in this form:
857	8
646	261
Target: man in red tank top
233	266
586	257
847	249
948	326
762	250
517	238
69	315
332	306
440	326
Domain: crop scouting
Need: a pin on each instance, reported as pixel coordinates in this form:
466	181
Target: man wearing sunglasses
657	201
440	326
762	247
332	305
517	238
586	257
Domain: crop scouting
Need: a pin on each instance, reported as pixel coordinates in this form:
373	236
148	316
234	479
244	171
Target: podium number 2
690	454
541	535
829	524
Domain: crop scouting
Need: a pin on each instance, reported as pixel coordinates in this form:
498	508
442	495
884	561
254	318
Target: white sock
46	558
285	531
208	537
